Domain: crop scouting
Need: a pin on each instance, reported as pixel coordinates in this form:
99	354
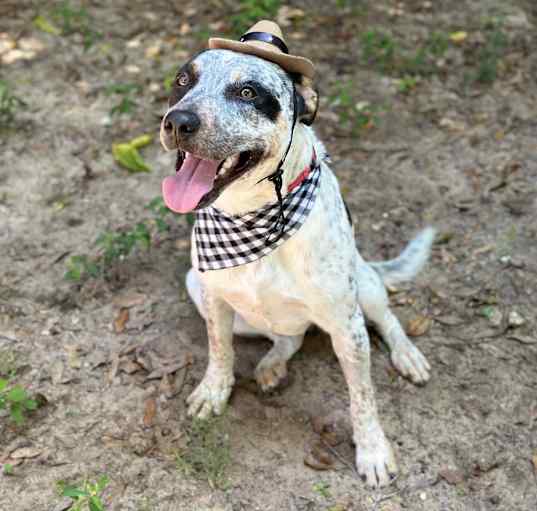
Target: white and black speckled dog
231	117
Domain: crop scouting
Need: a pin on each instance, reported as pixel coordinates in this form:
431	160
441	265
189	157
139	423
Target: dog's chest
266	295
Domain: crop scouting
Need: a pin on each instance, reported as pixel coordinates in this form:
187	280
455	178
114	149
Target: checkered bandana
224	241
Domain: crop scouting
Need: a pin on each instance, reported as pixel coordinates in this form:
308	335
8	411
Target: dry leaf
56	372
317	457
534	461
286	14
523	339
25	452
458	37
129	366
130	299
73	357
121	320
150	412
452	476
418	326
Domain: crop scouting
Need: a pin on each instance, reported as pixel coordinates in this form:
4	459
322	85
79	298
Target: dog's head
230	118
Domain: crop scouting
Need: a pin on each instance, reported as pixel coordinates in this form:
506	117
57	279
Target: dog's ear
307	99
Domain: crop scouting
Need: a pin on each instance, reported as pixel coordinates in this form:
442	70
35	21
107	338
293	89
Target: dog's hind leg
373	300
273	366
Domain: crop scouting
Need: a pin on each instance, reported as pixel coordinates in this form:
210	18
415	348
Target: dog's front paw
375	461
211	395
411	363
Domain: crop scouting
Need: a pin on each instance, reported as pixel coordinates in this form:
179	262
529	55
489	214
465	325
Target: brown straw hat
265	40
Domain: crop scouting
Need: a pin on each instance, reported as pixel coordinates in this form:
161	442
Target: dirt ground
451	150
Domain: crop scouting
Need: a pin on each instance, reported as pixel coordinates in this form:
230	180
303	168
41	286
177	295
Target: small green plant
407	84
323	489
87	496
7	469
357	116
208	453
9	103
75	20
15	399
490	54
115	246
381	51
251	11
378	49
125	91
8	363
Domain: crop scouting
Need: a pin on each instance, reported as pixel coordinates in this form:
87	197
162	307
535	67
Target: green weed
489	56
87	496
208	453
378	50
8	363
125	91
115	246
251	11
407	84
356	116
16	400
381	51
323	489
9	104
73	20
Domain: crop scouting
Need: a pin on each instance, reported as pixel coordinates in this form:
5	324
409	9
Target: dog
231	118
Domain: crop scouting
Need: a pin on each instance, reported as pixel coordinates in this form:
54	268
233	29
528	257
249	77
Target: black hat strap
276	179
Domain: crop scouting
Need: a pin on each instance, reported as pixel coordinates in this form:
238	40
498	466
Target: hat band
265	37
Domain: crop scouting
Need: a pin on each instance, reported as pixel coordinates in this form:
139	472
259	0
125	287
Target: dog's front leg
213	392
375	461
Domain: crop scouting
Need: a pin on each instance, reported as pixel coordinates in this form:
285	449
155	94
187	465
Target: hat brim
291	63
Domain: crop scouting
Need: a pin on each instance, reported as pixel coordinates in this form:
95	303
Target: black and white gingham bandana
224	241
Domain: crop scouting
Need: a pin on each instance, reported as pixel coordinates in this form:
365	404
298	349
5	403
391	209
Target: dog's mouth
198	182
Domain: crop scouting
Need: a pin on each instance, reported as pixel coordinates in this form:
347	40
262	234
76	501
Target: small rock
515	319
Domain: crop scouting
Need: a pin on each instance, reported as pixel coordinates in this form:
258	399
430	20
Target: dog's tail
411	260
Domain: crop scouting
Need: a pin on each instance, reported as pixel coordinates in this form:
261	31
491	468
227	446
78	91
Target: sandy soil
452	152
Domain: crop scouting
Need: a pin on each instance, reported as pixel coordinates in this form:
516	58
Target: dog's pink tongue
192	181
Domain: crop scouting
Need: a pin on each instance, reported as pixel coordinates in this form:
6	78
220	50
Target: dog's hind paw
210	396
411	363
270	374
375	462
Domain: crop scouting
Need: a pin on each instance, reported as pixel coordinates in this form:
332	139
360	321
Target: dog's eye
247	93
182	80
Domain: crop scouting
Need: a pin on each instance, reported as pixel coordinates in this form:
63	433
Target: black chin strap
276	179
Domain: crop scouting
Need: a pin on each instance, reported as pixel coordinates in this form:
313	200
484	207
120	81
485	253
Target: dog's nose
184	121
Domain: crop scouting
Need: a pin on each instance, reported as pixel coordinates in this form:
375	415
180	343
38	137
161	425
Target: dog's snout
183	121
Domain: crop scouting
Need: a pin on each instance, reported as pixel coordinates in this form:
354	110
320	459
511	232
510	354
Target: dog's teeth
229	163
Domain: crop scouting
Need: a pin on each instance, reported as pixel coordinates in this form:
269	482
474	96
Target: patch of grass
85	496
489	55
16	400
323	489
381	51
407	84
115	246
357	116
125	91
10	103
251	11
208	453
73	20
8	363
378	49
